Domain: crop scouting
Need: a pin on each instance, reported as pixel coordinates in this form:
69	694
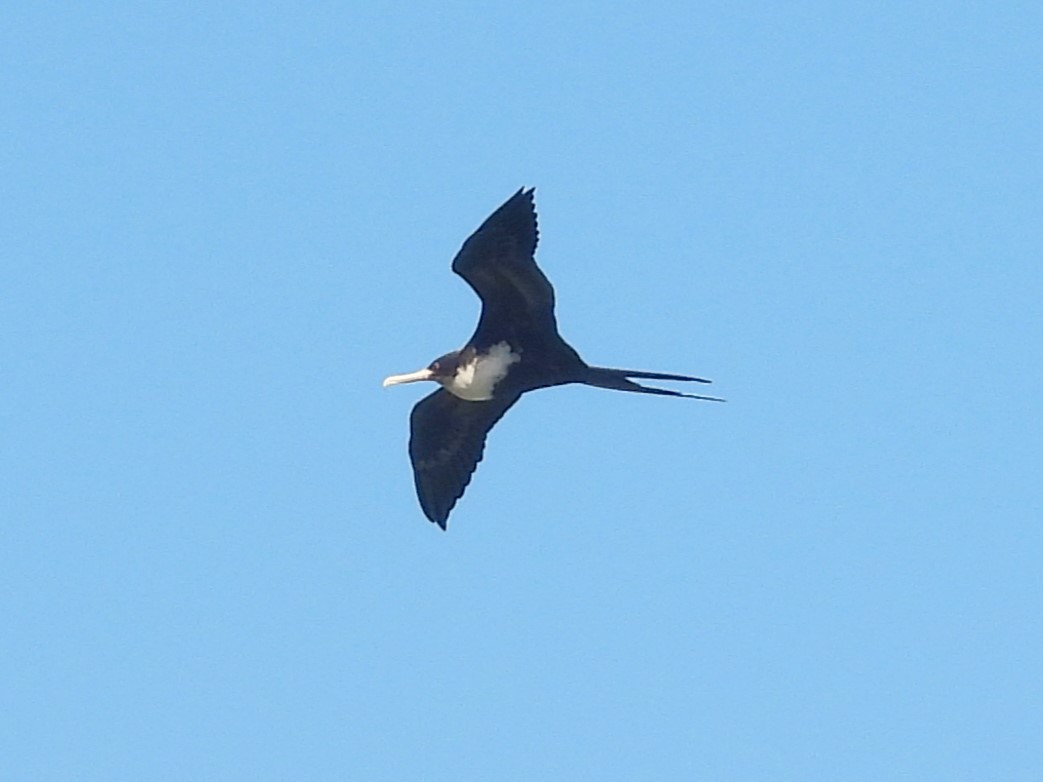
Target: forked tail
619	380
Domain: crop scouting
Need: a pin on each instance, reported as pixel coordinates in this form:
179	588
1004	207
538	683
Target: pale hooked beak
409	377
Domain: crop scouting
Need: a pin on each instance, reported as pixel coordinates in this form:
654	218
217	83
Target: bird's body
515	348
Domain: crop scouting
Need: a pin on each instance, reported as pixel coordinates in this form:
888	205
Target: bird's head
442	368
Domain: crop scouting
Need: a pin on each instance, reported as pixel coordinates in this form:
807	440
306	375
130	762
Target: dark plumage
515	348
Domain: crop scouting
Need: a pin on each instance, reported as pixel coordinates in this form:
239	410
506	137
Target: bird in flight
515	348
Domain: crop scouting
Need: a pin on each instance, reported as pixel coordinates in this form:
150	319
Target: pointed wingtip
526	192
435	518
435	515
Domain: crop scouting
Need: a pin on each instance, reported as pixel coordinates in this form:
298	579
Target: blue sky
221	227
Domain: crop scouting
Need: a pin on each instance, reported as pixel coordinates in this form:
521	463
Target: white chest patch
475	381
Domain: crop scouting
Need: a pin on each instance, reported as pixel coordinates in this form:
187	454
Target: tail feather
652	375
619	380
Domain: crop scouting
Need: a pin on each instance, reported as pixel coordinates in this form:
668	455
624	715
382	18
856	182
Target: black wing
447	437
497	261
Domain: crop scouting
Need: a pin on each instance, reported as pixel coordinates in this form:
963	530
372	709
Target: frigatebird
516	348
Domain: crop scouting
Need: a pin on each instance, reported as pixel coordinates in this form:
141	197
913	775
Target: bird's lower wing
446	441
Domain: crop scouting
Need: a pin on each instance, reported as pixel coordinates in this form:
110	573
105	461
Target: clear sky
223	224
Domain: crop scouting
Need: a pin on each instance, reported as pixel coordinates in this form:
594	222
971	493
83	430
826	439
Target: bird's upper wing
447	437
497	261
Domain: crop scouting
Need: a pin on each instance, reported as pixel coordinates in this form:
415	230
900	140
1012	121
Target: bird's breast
476	379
